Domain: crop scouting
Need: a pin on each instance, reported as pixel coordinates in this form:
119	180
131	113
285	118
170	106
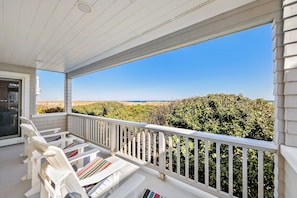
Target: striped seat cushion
147	193
72	153
93	167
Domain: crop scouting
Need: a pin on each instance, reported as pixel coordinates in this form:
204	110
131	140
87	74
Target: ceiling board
55	35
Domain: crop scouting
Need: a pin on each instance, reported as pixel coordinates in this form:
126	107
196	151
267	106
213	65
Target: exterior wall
290	71
290	91
52	120
32	73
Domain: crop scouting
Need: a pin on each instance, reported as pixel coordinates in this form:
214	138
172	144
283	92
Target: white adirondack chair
75	155
59	178
53	133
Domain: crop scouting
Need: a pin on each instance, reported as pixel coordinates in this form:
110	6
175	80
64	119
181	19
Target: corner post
162	155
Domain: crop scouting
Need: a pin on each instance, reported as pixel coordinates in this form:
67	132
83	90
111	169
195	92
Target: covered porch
68	37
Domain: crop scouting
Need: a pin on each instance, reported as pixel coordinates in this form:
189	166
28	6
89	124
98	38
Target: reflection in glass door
10	105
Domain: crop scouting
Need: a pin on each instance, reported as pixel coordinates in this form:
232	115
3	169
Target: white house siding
51	120
290	90
290	69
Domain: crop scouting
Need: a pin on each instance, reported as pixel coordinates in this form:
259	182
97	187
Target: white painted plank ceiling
55	35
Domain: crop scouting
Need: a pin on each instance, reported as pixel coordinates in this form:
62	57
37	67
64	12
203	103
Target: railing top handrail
125	122
219	138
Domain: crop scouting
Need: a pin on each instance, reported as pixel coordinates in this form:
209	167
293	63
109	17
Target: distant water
145	101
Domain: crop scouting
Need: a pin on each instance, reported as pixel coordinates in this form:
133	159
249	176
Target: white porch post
68	94
279	124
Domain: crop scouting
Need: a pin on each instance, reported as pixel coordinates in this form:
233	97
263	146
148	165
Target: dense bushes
224	114
230	115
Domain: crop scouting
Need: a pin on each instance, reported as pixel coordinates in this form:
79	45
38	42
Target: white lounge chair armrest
83	155
62	140
54	130
57	176
76	147
115	166
64	133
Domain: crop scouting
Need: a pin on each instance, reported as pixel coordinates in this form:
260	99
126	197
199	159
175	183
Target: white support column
67	94
279	123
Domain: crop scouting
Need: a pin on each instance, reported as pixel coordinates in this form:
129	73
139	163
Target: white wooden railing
180	153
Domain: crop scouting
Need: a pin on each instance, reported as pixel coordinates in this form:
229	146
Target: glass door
10	105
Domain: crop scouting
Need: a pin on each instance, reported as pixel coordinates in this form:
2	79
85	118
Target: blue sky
240	63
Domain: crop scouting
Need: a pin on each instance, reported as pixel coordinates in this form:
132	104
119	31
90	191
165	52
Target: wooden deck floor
12	169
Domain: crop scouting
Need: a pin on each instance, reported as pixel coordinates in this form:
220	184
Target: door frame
25	100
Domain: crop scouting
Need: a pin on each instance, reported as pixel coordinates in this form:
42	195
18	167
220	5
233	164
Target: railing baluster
178	154
244	172
155	147
134	144
111	128
187	158
143	144
196	164
94	135
260	175
101	132
148	146
106	138
89	129
95	131
138	144
218	166
86	128
125	140
121	138
170	152
117	134
206	166
129	141
230	170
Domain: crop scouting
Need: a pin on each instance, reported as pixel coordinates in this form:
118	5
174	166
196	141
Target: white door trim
25	78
